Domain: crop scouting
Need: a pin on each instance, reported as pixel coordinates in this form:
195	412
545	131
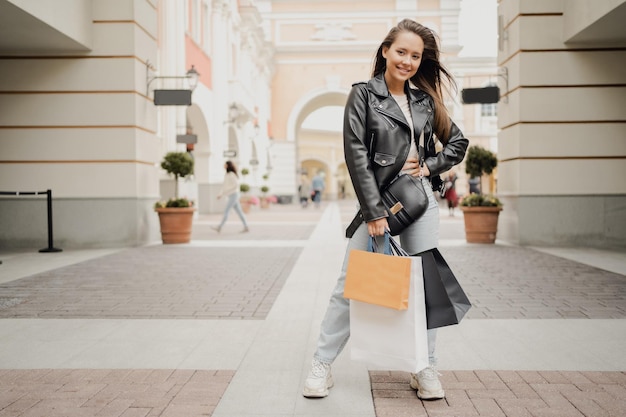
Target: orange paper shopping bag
378	278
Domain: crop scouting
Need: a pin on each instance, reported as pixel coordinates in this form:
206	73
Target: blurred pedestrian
318	186
474	185
451	196
304	191
230	189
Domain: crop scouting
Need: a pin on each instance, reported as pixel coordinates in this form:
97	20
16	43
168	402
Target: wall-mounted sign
188	139
230	154
172	97
485	95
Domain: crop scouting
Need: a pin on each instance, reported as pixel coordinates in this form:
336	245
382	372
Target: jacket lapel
385	103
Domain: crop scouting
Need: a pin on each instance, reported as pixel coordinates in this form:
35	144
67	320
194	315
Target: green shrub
174	202
480	200
479	161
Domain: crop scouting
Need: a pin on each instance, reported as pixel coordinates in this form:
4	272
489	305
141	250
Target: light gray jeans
335	330
233	203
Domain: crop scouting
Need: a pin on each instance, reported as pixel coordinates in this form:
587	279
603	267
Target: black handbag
446	302
405	198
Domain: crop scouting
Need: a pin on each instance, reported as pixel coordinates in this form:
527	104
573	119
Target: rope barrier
50	247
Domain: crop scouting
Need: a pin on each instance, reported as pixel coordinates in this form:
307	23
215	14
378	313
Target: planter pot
175	224
264	202
245	204
481	223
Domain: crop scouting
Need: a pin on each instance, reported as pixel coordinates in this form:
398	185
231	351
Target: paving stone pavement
99	393
508	282
505	393
238	276
165	282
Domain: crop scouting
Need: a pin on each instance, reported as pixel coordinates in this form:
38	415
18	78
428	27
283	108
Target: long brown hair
429	75
230	167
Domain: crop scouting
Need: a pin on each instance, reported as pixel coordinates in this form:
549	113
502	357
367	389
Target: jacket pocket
384	159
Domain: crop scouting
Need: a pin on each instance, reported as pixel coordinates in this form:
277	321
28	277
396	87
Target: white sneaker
318	381
427	384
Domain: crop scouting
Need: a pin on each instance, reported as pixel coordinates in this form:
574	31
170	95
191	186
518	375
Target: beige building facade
78	117
75	118
562	121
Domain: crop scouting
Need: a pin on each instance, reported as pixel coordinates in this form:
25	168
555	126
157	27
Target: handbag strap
420	149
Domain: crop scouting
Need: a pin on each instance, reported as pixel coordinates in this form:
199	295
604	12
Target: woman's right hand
377	227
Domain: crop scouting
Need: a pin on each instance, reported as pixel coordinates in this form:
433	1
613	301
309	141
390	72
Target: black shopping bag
446	302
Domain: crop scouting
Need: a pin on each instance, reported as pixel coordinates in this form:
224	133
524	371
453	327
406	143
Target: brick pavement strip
114	393
506	394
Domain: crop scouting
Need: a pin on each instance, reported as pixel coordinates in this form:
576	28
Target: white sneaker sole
309	393
426	395
431	395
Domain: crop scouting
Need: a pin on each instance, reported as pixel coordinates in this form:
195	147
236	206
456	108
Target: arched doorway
315	125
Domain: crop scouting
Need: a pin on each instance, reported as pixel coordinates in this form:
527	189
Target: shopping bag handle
390	246
396	249
372	246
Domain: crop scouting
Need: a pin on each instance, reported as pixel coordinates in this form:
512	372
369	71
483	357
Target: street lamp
173	97
192	76
233	114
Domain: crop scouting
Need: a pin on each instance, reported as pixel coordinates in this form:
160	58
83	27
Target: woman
230	188
382	120
304	191
451	195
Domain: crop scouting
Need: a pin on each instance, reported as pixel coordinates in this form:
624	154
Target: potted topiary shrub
176	214
264	200
245	200
480	211
478	162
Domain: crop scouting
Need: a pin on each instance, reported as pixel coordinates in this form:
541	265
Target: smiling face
403	58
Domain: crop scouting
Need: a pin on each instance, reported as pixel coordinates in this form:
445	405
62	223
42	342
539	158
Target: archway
315	125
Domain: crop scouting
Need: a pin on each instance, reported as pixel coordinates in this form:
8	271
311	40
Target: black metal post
50	247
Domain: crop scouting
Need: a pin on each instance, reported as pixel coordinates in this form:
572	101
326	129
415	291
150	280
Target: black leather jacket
376	138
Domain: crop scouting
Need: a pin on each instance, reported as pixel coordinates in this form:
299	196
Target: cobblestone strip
111	393
505	394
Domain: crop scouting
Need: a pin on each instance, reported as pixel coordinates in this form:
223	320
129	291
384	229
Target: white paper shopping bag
389	339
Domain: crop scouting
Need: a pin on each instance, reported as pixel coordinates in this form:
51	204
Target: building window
489	109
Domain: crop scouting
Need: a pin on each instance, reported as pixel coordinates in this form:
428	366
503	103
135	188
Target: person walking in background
304	191
474	185
382	120
318	186
451	196
230	189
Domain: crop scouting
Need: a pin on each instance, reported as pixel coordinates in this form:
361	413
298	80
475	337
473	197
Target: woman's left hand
377	227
